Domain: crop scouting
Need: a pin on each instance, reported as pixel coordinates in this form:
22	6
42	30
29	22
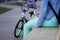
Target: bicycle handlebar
24	10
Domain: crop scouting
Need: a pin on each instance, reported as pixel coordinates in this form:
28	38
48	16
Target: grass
17	3
2	10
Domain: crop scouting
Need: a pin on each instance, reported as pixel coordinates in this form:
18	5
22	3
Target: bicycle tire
21	28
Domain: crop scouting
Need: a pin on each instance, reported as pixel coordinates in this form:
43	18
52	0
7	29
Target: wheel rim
20	24
18	30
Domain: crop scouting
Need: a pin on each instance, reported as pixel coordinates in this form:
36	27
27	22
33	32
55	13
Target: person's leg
47	23
28	26
51	23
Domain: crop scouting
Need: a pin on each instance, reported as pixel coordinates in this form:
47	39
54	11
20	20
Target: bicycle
20	24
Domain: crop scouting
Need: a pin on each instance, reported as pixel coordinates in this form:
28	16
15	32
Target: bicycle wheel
18	28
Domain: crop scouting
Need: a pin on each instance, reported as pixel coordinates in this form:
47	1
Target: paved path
8	22
8	6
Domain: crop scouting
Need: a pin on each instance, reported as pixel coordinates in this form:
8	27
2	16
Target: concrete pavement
8	6
8	21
